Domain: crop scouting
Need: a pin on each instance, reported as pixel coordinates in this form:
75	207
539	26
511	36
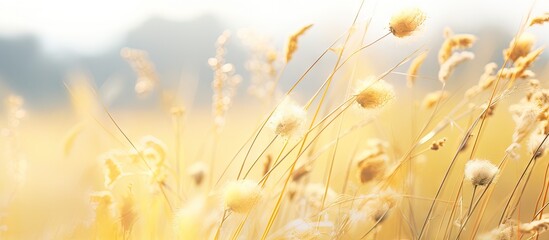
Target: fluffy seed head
379	206
374	94
431	99
449	65
405	22
519	47
524	115
486	80
241	196
372	162
454	42
537	226
414	69
371	169
313	193
480	172
505	231
534	144
541	19
289	120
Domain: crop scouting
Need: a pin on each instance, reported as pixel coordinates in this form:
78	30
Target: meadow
366	155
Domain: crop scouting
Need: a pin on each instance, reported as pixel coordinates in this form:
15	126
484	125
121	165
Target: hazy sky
90	26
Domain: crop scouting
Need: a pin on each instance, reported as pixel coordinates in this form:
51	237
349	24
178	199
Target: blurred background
43	42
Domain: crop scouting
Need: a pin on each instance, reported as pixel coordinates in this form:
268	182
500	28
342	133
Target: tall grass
357	159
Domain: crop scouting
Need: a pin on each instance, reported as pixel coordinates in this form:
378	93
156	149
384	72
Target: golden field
367	154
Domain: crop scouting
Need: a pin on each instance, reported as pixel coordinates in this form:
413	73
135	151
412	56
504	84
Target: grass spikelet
372	162
414	69
486	80
224	83
262	65
112	171
534	142
301	172
406	22
480	172
313	193
242	195
291	45
505	231
541	19
525	116
431	99
267	164
537	226
371	169
449	65
452	43
374	94
519	47
523	63
288	120
377	206
147	79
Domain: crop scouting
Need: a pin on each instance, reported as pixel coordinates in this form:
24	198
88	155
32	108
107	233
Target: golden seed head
378	206
414	69
505	231
314	194
289	120
524	115
291	46
449	65
406	22
480	172
242	195
519	47
371	169
541	19
536	226
452	43
534	143
374	94
433	98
